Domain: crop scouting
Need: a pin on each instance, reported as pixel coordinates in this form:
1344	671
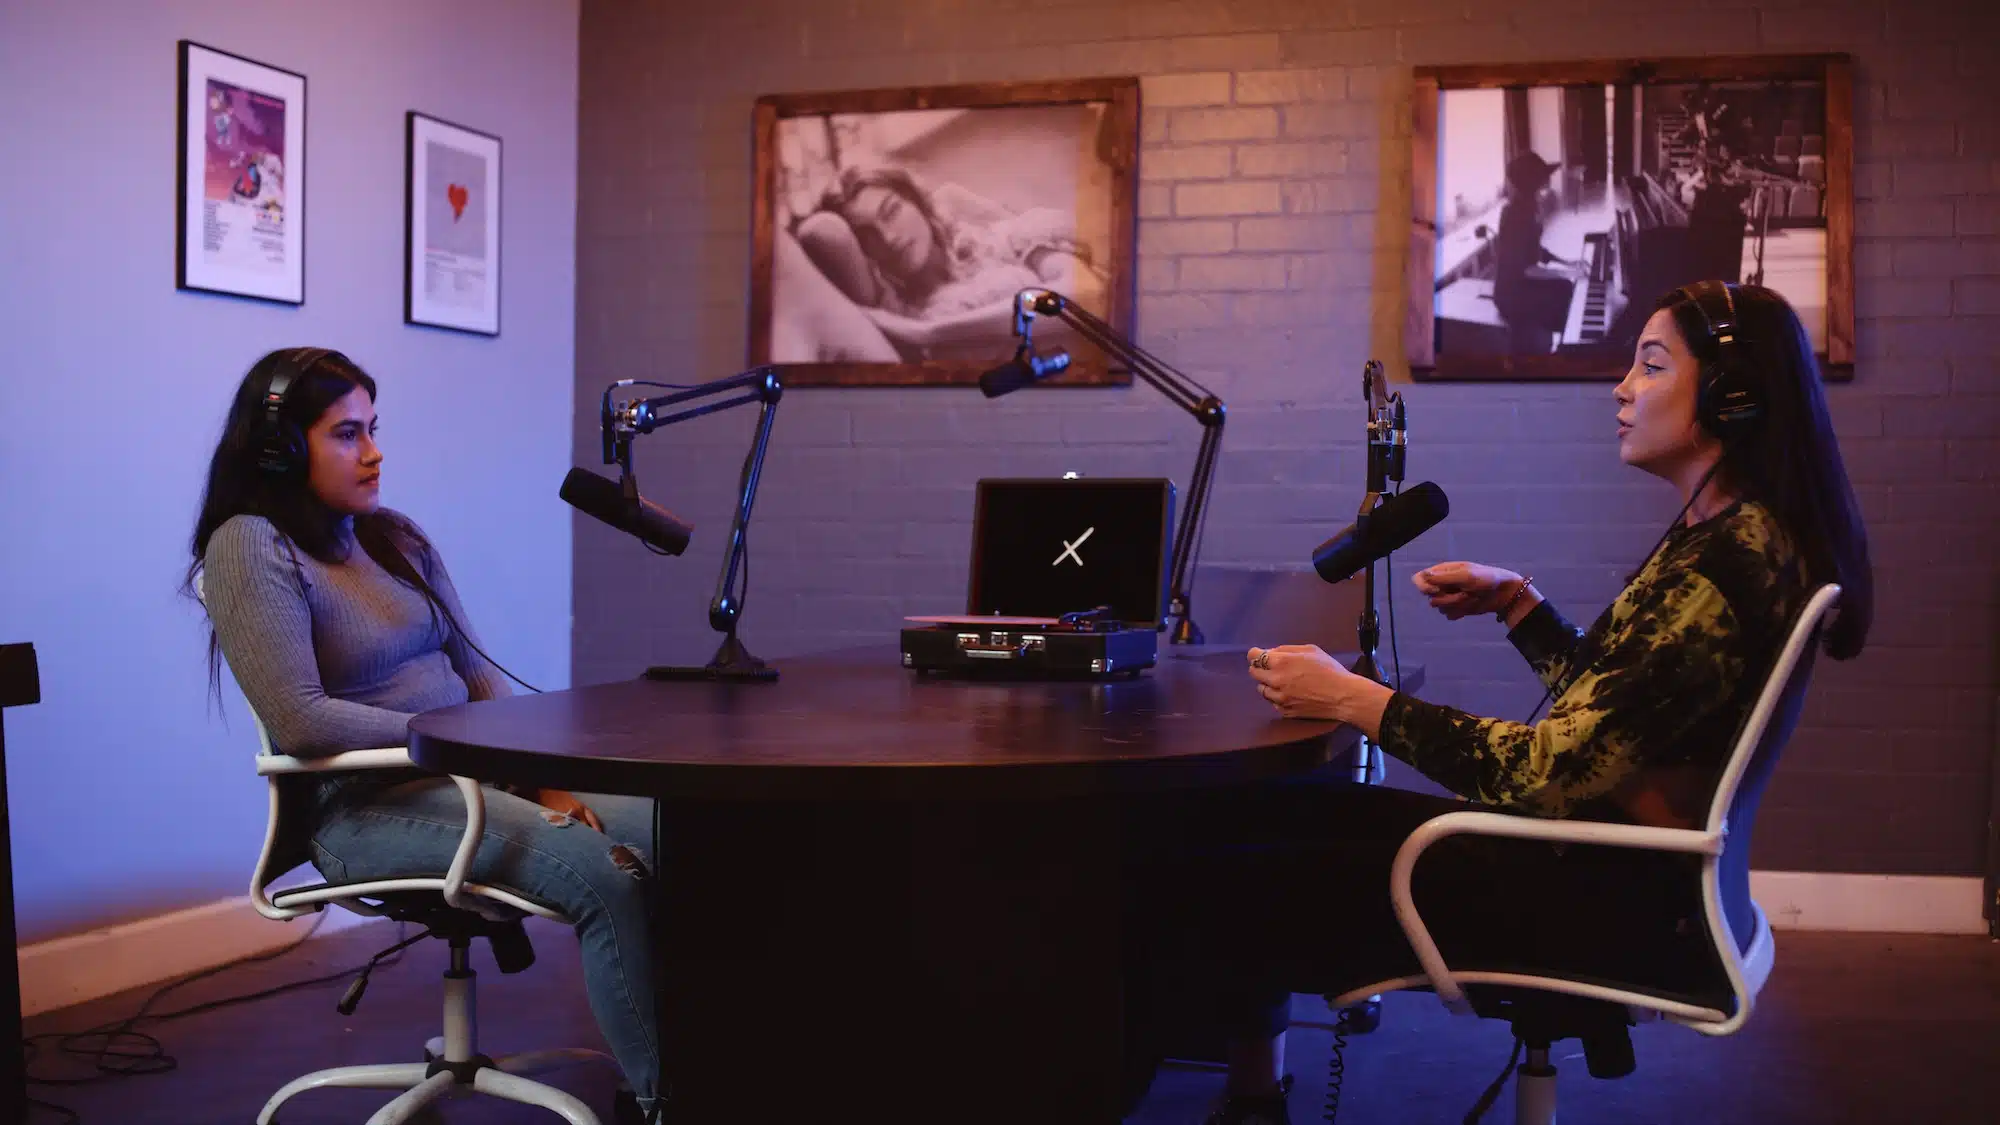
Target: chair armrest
1563	832
1518	827
468	845
390	757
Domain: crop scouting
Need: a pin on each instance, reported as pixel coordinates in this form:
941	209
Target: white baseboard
88	966
1884	904
98	963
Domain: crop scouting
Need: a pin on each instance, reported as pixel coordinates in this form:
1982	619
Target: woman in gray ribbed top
340	622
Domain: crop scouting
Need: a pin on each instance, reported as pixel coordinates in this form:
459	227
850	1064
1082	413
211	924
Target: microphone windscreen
602	499
1390	527
1007	378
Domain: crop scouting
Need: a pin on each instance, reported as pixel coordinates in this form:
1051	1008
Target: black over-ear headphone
1726	402
281	448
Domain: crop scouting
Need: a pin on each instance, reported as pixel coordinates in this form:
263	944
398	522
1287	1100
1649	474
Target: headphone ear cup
1724	403
1704	400
291	448
279	454
279	446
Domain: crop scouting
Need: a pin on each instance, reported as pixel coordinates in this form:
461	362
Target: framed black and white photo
892	229
240	213
451	226
1554	204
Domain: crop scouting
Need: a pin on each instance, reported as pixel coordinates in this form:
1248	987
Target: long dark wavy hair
239	486
912	290
1790	462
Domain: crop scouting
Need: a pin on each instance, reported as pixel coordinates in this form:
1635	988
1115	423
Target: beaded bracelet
1509	607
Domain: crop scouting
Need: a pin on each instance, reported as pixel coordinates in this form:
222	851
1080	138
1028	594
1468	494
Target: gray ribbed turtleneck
335	656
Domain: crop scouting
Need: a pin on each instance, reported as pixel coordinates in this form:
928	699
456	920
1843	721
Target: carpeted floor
1853	1028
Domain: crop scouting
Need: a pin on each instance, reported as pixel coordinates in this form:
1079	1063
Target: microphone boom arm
1185	393
731	661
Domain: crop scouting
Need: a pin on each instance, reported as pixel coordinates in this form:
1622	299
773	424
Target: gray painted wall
1271	249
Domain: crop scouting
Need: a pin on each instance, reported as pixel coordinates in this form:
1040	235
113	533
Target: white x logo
1069	548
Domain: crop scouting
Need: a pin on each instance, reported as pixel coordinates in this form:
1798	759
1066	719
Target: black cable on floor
69	1116
1492	1093
118	1049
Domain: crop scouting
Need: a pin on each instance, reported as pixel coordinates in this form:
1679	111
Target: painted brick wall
1273	204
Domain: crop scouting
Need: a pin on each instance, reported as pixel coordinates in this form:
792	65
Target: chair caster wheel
1362	1018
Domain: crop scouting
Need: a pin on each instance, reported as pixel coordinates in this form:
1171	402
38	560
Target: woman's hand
1303	682
565	802
1460	589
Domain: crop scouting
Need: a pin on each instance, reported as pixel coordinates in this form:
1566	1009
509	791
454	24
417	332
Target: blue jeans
598	880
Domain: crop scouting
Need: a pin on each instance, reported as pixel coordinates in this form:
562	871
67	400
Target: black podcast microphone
1024	369
1400	519
601	497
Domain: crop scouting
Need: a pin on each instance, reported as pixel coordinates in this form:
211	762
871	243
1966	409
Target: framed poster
451	226
1554	204
892	229
240	213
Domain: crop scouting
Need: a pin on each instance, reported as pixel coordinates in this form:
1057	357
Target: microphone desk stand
1186	394
1385	463
732	662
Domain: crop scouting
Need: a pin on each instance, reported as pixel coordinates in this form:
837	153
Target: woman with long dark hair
340	623
1647	705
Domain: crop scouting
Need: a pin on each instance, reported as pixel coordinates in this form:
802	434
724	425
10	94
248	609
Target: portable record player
1069	581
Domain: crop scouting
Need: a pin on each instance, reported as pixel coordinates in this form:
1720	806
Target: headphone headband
278	453
1721	329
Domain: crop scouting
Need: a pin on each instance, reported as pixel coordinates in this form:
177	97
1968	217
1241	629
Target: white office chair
450	908
1737	928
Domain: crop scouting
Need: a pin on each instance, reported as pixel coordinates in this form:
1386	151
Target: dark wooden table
885	897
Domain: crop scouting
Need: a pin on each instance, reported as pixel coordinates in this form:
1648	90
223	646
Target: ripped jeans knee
627	859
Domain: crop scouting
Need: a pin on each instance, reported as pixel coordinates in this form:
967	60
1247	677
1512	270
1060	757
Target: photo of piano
1563	212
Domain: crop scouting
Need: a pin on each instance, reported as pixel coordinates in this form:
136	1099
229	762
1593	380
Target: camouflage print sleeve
1662	669
1548	641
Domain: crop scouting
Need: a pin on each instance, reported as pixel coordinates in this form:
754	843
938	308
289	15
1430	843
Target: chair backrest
1752	760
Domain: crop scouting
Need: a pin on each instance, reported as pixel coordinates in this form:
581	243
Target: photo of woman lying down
888	266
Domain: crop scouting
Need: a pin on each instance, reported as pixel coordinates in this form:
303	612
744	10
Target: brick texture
1275	160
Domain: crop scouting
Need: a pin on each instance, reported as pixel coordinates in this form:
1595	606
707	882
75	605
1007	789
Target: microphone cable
1591	640
474	646
1344	1018
1389	599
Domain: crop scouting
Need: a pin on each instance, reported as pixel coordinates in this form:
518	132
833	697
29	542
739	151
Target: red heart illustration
458	196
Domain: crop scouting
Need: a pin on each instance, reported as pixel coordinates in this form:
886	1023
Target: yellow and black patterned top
1641	732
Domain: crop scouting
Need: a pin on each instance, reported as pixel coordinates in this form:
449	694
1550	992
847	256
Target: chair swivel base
452	1067
500	1078
1535	1090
